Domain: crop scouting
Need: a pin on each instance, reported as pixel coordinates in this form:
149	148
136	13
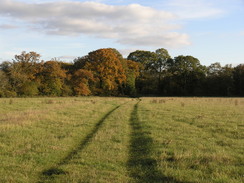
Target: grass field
92	139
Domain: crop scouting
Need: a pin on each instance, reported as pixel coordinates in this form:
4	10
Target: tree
219	80
24	57
108	71
238	76
22	73
83	81
160	65
145	58
152	70
5	88
187	75
80	62
146	83
52	78
69	70
132	72
214	69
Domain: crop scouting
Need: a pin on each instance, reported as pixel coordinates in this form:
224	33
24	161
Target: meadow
134	140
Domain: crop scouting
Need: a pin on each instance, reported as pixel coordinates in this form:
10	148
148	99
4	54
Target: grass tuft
11	101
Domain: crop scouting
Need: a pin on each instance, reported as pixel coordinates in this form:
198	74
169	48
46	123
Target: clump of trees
105	72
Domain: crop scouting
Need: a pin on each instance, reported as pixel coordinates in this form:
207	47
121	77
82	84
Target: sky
210	30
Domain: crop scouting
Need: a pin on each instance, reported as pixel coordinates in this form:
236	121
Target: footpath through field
119	148
100	156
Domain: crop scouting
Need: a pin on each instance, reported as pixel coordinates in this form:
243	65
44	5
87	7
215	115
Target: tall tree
187	74
145	58
238	75
108	71
146	83
152	70
132	72
22	73
5	87
163	58
219	80
52	78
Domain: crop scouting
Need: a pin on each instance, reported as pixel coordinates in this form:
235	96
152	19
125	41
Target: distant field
117	140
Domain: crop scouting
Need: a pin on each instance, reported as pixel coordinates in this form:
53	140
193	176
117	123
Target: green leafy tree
5	87
153	69
160	65
145	83
132	72
22	73
187	75
238	76
219	80
147	60
52	78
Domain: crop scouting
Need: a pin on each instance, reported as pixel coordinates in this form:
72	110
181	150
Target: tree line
104	72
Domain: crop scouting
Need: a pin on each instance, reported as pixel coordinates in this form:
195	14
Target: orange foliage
133	67
82	80
53	69
107	68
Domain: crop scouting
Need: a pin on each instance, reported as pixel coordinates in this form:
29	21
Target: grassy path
141	164
101	156
49	174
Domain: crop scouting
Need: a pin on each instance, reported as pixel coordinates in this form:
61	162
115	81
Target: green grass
92	139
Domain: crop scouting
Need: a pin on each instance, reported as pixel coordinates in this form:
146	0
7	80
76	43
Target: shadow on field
50	173
142	167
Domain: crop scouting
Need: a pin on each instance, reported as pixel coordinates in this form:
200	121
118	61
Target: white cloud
128	24
172	39
8	26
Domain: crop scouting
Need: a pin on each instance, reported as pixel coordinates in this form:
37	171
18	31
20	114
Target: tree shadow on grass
142	167
49	174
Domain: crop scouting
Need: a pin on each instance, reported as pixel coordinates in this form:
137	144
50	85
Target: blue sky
210	30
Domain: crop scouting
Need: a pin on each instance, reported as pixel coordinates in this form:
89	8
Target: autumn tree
69	70
108	71
22	73
83	82
52	77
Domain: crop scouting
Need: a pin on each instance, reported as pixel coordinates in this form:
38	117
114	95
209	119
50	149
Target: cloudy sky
210	30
